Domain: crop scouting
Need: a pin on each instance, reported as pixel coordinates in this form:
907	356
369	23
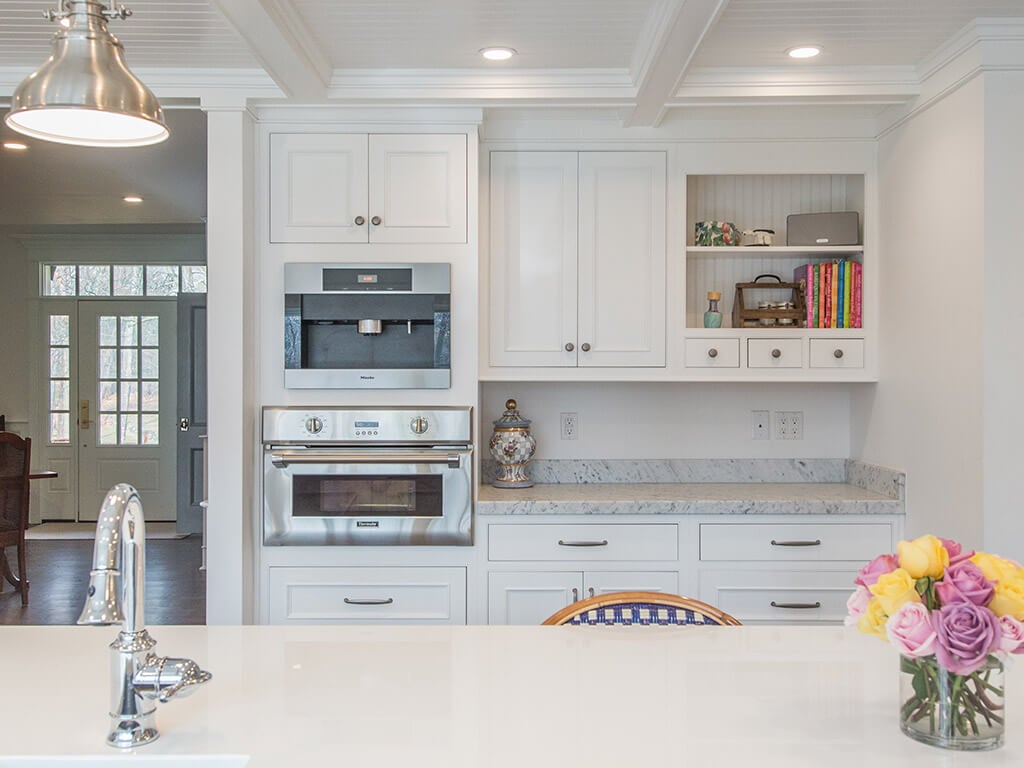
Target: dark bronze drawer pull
602	543
369	601
815	604
815	543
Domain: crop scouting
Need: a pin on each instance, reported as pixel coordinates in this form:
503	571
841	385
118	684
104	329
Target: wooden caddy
741	316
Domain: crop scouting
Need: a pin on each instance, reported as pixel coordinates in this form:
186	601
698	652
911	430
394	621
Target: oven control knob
419	425
314	424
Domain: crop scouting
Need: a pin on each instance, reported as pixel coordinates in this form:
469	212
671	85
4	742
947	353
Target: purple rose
965	634
964	582
882	564
956	553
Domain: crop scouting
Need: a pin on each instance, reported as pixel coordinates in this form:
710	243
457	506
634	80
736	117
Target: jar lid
714	295
511	418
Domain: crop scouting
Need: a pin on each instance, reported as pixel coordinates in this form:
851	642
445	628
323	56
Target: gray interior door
192	421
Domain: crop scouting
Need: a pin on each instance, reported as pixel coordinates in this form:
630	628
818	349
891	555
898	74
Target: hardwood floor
58	574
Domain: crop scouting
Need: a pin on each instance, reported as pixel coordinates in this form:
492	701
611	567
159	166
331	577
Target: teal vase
713	318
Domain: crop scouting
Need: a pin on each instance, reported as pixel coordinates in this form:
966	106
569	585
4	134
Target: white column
232	362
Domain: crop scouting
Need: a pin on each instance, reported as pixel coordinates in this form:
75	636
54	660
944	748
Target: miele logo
367	524
367	378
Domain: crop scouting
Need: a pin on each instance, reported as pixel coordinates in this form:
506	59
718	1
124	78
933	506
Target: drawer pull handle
575	594
837	354
369	601
815	604
591	591
601	543
776	353
815	543
712	352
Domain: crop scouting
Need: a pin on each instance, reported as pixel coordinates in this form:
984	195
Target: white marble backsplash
683	471
871	477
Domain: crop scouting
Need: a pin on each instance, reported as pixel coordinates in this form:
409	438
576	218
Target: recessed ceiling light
498	53
15	145
803	51
132	199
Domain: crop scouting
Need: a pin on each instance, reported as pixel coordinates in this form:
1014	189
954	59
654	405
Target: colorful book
848	268
840	292
819	296
827	320
802	276
858	288
835	295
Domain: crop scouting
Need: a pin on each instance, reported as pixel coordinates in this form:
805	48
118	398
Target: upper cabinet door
417	188
318	188
622	259
533	258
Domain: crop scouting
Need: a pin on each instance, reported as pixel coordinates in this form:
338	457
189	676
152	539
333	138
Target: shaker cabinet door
529	597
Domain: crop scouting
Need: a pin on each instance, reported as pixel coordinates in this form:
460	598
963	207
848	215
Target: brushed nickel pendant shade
84	93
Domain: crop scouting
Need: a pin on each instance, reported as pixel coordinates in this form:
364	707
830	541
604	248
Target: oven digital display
367	424
367	496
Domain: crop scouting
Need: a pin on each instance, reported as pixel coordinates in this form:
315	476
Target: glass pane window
60	280
161	281
128	280
94	280
193	278
122	279
129	394
59	406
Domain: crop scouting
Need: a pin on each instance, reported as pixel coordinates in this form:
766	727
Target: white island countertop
686	499
491	697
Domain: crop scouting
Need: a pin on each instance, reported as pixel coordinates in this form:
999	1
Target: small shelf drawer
582	542
712	353
794	542
367	595
775	353
837	353
779	597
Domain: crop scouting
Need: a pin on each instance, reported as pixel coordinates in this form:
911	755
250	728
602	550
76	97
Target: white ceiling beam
664	51
282	44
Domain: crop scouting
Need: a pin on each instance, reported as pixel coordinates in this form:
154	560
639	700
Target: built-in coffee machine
367	326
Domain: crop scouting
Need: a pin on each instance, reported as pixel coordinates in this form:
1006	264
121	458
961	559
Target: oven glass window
367	496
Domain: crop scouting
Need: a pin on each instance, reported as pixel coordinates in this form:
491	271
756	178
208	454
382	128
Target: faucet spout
116	594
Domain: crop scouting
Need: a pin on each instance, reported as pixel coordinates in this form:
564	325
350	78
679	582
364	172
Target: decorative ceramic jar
512	446
717	233
963	712
713	318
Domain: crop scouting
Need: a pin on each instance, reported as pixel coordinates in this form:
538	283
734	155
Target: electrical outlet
570	426
789	425
760	425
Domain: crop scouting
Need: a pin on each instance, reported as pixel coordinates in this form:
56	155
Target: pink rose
1012	640
910	630
882	564
857	604
965	635
956	555
964	582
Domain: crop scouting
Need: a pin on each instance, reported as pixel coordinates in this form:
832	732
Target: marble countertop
443	697
686	499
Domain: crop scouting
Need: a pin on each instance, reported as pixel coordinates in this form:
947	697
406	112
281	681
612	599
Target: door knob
183	424
585	347
360	221
375	221
569	347
84	421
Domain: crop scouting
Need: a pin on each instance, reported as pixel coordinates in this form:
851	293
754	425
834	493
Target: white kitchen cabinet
529	597
356	595
577	259
582	542
358	188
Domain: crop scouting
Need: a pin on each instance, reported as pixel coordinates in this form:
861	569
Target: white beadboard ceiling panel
756	33
441	34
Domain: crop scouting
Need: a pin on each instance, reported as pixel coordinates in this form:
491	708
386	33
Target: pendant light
84	93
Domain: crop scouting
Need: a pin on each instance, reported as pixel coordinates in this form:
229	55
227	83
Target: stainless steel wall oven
377	476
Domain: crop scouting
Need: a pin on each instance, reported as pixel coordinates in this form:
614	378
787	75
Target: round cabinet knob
776	353
837	354
360	221
585	347
419	425
712	352
314	425
375	221
570	347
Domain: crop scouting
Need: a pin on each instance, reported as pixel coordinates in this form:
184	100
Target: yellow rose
872	621
894	589
924	556
997	568
1008	599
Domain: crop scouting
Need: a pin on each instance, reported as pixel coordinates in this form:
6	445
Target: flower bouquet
955	617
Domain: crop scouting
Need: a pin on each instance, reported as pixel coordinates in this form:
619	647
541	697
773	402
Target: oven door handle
282	459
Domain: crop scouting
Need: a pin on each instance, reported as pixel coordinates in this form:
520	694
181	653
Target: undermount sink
125	761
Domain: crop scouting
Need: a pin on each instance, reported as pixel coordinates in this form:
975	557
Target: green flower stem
956	706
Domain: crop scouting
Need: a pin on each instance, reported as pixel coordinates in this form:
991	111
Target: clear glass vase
952	711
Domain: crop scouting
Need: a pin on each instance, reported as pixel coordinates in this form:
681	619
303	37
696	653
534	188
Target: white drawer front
837	353
367	595
603	582
794	542
779	597
582	542
775	353
712	353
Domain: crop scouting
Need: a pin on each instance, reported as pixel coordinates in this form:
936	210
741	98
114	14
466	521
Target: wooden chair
15	455
639	608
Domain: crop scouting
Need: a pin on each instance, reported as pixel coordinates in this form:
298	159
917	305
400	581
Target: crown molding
376	115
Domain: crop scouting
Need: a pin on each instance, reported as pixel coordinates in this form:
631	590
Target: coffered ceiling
640	58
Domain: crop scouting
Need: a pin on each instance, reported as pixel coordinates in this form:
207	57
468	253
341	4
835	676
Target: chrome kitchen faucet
117	594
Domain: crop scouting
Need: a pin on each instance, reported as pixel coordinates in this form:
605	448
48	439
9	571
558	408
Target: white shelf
760	251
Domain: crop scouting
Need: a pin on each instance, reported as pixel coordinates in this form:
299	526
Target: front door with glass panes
111	403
